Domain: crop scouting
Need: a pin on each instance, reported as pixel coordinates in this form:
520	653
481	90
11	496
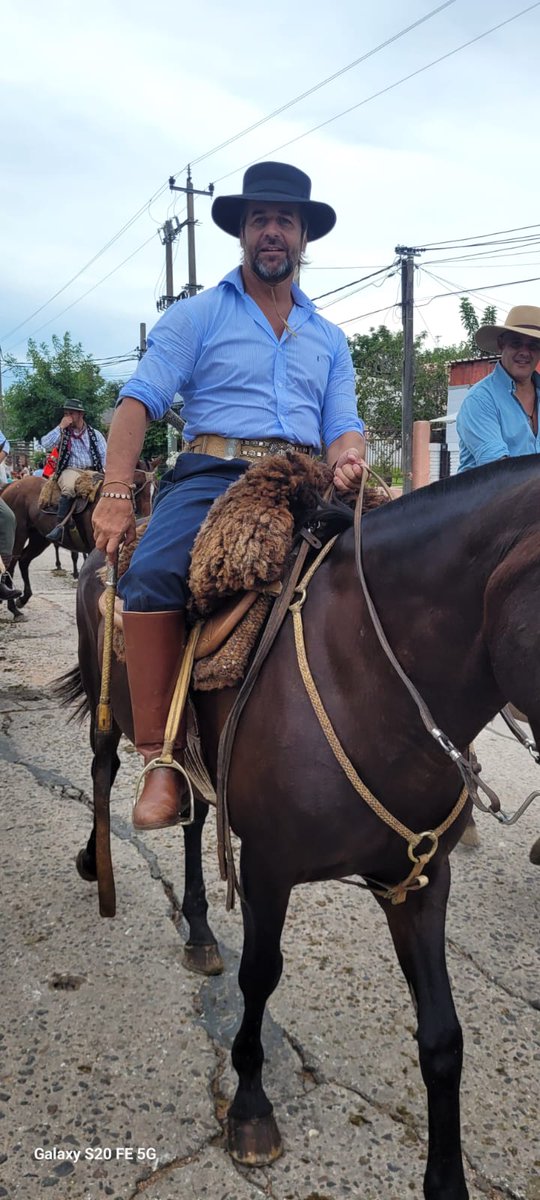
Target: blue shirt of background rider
204	349
492	424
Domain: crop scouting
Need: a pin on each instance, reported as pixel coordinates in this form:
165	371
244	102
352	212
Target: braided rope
346	765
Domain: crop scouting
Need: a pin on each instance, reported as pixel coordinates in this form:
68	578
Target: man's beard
276	274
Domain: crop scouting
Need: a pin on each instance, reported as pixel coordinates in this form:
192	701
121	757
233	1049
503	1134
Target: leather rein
470	776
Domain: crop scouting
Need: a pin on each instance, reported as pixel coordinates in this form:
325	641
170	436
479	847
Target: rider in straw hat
499	416
260	372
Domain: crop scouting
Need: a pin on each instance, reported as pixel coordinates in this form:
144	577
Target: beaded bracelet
117	496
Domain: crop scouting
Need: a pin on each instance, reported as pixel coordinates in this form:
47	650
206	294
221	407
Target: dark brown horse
454	570
34	523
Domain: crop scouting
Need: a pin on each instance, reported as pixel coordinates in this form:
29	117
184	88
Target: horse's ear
157	462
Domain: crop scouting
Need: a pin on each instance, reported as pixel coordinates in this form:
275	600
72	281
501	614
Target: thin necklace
286	325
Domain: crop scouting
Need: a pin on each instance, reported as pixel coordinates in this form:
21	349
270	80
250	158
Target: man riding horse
261	372
80	448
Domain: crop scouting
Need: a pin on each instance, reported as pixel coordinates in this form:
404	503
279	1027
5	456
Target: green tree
155	442
378	360
56	373
471	323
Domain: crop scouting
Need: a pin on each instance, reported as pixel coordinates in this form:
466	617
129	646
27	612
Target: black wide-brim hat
275	183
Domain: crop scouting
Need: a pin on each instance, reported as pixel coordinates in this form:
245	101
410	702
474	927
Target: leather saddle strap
226	741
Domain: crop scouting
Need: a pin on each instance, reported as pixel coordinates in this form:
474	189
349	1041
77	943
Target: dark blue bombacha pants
156	577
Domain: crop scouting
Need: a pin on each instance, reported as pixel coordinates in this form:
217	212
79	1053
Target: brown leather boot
155	644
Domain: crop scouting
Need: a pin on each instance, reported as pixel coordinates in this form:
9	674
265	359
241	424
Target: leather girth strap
226	741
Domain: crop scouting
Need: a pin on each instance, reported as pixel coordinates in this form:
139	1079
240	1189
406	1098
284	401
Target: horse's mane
447	502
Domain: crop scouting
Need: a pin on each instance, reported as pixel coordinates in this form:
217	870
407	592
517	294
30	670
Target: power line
94	286
488	287
242	133
292	141
495	233
449	285
382	271
389	88
323	83
85	268
331	303
373	313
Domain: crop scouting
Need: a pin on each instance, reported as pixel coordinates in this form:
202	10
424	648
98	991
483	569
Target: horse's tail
69	690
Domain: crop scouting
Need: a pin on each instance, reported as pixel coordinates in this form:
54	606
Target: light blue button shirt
492	424
4	444
239	379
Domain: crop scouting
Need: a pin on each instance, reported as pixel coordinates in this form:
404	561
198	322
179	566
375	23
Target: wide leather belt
222	447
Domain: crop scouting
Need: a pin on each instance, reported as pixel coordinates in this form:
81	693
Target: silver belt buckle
231	448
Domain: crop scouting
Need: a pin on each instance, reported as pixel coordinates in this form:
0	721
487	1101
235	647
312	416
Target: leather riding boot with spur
155	644
57	534
8	591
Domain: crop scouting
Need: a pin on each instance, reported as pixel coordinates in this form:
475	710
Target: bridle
470	776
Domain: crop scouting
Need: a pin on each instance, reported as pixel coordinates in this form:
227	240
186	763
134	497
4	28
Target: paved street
113	1050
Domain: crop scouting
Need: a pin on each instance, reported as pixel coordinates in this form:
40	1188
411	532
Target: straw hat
522	319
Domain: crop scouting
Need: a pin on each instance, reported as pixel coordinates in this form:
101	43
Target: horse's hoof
534	853
82	863
255	1143
18	615
203	960
470	837
58	571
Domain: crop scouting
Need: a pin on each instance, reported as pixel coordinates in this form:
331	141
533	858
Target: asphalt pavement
115	1071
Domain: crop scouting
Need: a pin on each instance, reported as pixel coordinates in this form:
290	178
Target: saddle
238	561
87	486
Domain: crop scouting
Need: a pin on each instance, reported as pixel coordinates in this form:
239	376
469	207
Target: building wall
461	377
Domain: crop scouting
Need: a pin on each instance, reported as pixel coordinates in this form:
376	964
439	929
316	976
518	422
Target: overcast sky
101	103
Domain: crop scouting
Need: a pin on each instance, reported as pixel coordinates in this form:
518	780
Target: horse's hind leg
201	952
417	929
86	858
253	1136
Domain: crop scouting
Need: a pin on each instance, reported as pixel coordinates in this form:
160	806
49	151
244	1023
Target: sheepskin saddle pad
86	488
242	547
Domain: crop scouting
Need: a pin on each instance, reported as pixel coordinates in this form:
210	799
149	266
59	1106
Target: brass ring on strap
302	597
415	842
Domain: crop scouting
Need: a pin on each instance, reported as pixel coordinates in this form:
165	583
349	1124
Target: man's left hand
348	471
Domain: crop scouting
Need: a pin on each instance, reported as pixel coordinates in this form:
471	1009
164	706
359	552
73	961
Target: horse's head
144	481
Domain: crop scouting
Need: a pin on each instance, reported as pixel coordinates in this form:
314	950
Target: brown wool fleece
245	540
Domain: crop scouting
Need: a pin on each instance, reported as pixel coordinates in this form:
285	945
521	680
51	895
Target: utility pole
168	234
142	340
407	254
192	287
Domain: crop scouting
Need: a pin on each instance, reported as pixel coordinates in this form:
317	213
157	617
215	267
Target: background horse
59	570
34	523
454	571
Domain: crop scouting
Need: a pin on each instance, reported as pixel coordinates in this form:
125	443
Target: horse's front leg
201	952
253	1136
417	929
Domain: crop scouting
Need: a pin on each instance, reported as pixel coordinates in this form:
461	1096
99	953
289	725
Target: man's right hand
113	522
66	422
